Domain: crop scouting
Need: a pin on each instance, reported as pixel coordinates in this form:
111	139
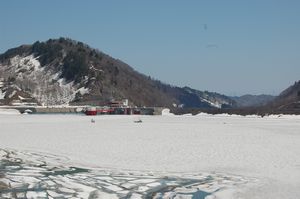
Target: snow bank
277	116
203	114
9	112
283	116
166	111
188	114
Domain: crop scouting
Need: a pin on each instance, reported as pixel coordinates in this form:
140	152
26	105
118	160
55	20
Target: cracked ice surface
34	175
202	156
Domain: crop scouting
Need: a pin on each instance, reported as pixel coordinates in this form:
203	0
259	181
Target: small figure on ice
138	121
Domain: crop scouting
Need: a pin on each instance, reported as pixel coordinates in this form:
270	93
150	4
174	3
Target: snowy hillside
215	100
65	71
42	83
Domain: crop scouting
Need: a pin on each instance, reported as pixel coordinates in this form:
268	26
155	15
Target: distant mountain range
64	71
67	72
253	100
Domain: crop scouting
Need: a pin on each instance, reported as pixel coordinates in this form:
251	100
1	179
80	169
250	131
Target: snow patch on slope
27	63
83	90
2	94
214	104
12	94
42	82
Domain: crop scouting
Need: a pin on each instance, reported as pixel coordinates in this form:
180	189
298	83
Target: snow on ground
264	153
4	111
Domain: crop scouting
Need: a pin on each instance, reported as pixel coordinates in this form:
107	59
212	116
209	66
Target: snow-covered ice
201	156
4	111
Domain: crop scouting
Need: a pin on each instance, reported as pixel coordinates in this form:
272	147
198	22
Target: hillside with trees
64	71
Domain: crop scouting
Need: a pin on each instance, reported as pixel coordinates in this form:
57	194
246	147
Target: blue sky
233	47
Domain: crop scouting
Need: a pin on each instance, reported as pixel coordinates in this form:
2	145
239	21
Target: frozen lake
203	156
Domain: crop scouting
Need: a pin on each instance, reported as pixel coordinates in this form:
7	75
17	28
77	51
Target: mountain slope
253	100
288	100
64	71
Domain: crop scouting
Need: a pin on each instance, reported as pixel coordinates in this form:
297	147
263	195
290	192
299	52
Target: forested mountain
64	71
288	100
253	100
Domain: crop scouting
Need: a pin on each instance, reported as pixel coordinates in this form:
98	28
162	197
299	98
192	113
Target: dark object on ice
138	121
92	120
28	111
